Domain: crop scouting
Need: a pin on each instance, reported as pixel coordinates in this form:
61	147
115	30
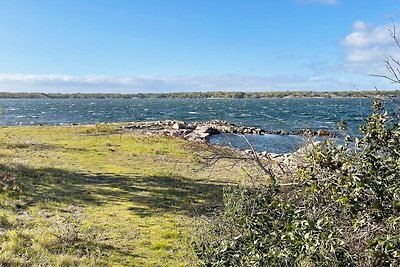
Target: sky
131	46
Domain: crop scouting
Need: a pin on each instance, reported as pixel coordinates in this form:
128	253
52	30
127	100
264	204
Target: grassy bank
99	196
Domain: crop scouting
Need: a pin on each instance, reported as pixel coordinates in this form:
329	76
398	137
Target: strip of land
214	94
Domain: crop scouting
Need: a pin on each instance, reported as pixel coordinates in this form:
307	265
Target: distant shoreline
204	95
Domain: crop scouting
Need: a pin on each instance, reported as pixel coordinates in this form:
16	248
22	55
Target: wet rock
258	131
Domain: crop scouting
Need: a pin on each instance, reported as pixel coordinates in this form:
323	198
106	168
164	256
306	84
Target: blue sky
194	45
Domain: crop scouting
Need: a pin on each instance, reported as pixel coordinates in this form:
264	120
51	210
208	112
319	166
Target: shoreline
196	131
206	95
201	131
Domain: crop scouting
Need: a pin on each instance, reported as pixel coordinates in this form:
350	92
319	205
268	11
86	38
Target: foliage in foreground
342	210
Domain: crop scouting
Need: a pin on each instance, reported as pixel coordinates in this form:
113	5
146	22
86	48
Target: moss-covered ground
101	196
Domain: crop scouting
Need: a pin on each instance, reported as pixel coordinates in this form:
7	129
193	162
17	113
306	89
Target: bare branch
266	170
393	33
392	64
386	77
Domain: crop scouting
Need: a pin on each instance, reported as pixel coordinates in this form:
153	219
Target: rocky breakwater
201	131
195	131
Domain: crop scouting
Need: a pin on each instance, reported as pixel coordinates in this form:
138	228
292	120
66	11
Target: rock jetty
201	131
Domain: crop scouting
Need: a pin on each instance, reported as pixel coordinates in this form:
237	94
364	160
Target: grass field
101	196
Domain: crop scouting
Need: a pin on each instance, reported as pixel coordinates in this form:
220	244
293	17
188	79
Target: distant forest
218	94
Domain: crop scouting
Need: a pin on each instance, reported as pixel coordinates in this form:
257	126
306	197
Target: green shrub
342	210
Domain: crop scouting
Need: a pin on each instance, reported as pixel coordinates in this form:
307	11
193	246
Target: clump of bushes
343	208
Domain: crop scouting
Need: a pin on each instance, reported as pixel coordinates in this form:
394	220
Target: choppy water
272	143
269	114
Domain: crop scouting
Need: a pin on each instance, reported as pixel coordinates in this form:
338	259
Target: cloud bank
367	47
135	84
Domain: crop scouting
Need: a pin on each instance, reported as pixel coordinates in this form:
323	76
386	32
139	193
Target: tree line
214	94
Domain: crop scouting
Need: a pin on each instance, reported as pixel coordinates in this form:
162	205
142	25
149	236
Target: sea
289	114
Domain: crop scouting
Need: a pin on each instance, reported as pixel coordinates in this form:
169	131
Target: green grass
100	196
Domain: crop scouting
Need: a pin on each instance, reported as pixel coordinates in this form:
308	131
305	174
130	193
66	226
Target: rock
193	125
248	151
301	152
206	129
184	132
200	134
198	137
179	125
202	129
264	153
324	133
274	155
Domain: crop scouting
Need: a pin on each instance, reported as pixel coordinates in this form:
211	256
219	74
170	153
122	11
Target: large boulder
201	133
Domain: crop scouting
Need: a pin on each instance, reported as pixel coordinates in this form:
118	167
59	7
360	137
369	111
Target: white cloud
367	47
135	84
316	79
365	37
370	54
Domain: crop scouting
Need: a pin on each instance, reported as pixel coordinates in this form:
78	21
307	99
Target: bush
342	210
